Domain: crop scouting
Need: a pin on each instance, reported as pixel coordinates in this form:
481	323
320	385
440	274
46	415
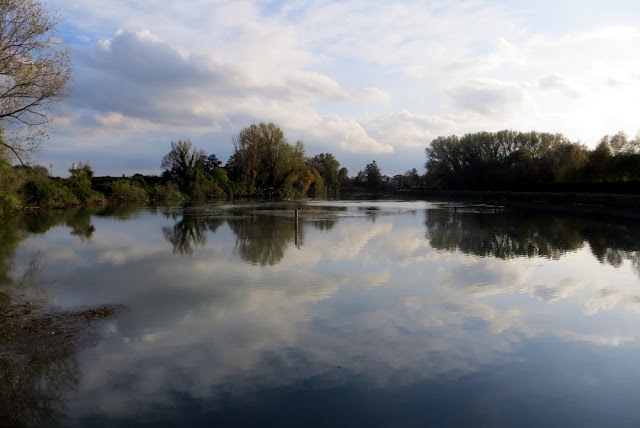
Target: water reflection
78	220
263	239
324	225
39	368
190	232
34	381
370	321
516	234
11	233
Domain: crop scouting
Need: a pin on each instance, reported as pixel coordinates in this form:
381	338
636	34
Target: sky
363	80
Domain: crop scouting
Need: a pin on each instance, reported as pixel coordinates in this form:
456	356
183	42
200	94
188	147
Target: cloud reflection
247	310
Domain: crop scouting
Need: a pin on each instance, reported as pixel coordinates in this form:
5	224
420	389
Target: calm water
365	314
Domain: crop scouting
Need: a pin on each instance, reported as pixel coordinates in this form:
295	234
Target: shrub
80	185
126	191
40	190
168	192
10	181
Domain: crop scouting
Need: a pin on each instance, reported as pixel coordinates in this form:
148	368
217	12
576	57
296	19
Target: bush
40	190
80	185
168	192
10	181
126	191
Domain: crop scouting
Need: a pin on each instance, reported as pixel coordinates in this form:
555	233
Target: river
368	313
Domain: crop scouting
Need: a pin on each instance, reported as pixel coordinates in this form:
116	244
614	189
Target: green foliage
373	176
328	169
264	162
211	163
343	176
124	190
410	179
168	192
217	181
10	182
40	190
318	188
80	185
504	159
197	176
565	161
185	164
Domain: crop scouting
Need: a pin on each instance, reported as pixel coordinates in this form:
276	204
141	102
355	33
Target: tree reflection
372	212
263	239
121	211
324	225
80	224
190	232
79	220
38	365
11	233
34	385
510	235
614	243
38	345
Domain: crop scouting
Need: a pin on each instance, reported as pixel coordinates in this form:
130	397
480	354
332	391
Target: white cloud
351	77
349	135
488	97
558	82
404	129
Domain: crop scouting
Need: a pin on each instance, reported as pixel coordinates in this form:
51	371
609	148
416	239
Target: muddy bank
38	366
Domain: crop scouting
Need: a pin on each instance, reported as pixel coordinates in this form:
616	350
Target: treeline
510	160
263	163
32	186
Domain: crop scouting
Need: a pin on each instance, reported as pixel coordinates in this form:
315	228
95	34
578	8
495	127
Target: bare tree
35	70
185	163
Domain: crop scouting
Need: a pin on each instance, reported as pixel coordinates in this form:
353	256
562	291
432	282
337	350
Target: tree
35	70
10	183
620	144
600	162
411	178
343	176
185	164
264	162
328	168
505	159
80	184
374	178
211	163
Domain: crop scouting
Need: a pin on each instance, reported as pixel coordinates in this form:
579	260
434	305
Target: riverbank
38	344
27	326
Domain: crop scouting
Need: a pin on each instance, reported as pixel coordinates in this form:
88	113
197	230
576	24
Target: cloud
487	97
404	129
348	134
560	83
351	78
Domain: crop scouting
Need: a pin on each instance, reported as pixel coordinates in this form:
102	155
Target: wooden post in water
296	215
